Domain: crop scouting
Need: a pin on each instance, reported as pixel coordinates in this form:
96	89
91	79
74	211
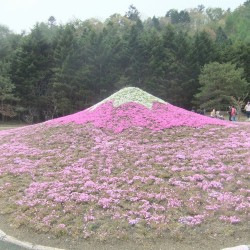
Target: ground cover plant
130	167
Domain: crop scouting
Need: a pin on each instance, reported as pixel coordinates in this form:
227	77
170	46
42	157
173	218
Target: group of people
232	113
216	114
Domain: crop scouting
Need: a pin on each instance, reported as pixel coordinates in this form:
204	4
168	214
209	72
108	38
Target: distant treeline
55	70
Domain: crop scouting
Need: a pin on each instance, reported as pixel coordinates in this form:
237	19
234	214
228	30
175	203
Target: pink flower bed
164	168
160	116
57	177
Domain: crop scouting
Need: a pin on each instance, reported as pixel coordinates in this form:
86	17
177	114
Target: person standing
229	113
247	108
233	114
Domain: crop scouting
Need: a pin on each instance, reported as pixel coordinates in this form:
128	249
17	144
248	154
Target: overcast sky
21	15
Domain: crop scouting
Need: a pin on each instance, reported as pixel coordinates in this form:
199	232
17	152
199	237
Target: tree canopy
219	84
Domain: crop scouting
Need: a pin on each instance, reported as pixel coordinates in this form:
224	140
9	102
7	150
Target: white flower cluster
131	94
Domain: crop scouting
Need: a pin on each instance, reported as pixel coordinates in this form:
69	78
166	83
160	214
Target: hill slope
130	169
132	107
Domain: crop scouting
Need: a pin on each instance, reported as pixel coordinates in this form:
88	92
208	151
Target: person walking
247	108
233	114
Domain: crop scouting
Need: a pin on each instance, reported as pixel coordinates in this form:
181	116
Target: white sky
21	15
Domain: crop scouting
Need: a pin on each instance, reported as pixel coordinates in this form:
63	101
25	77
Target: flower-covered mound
86	182
164	172
132	107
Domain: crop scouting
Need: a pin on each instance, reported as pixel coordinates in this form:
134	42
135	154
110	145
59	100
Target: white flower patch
131	94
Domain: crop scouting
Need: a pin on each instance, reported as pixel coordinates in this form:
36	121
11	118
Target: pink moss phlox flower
125	116
192	220
134	221
105	202
230	219
162	165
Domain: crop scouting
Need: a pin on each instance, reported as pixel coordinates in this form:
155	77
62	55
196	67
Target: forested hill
195	57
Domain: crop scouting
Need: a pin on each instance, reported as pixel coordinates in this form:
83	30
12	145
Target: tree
219	83
156	23
200	8
237	23
239	53
178	17
184	17
203	48
4	43
173	15
198	20
51	21
221	37
168	69
31	72
6	93
215	14
133	14
136	53
8	42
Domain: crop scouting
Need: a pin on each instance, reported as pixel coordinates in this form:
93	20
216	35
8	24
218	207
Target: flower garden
132	166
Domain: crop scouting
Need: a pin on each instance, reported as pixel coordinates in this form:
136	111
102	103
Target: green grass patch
4	126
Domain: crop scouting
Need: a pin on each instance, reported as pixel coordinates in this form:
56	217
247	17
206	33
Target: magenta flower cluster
131	114
161	168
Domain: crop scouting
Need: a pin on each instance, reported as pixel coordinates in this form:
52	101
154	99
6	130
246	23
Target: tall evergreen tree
31	72
7	97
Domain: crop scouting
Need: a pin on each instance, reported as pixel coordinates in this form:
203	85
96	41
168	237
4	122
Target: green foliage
221	36
31	71
133	14
238	23
178	17
215	14
219	83
239	54
204	48
7	107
